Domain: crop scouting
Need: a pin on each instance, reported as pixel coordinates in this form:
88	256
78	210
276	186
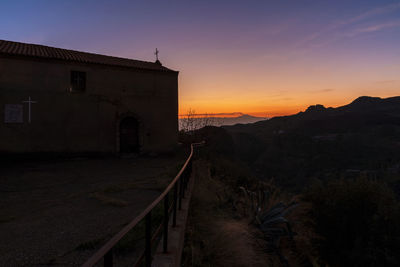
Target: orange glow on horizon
269	109
270	93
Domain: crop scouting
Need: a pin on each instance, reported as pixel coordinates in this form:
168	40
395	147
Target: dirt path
58	213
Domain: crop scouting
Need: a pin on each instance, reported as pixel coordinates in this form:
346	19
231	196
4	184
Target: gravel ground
58	213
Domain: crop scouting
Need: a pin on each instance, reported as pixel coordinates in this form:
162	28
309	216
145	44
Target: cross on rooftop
156	53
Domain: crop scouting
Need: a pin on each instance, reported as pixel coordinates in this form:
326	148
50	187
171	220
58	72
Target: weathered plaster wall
86	121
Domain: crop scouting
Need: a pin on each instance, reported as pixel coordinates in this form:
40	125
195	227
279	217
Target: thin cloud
278	94
372	28
215	114
326	90
286	98
358	18
372	13
386	81
379	27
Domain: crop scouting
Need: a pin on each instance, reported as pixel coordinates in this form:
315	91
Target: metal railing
178	186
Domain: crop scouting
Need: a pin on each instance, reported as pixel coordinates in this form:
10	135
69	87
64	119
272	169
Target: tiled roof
41	51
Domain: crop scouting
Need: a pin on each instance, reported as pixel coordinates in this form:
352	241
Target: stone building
58	100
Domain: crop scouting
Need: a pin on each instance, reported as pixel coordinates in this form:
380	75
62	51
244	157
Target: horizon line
228	114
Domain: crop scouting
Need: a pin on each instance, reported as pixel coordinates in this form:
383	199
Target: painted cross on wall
30	102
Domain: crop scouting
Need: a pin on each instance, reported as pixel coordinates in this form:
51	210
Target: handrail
107	247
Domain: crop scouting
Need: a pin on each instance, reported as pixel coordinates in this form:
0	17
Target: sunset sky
263	58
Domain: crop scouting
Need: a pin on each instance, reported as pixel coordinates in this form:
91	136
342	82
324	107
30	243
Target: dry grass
234	245
107	200
158	183
89	245
5	219
214	237
220	235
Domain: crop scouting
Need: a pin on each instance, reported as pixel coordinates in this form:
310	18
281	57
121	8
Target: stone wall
64	121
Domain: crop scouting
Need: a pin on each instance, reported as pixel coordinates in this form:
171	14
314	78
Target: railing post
183	183
187	176
148	240
191	167
184	180
165	239
108	259
175	204
180	193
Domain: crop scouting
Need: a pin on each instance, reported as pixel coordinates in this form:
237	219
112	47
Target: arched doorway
129	135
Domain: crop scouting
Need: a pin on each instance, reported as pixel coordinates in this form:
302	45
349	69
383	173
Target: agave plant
271	221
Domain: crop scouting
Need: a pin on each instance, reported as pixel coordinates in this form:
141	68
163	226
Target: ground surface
60	212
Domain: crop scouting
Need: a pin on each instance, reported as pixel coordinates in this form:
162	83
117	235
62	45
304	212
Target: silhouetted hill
342	164
243	119
363	136
221	121
361	113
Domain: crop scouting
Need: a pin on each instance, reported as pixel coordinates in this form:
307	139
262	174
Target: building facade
58	100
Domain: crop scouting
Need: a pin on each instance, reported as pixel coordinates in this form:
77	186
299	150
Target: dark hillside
339	166
361	137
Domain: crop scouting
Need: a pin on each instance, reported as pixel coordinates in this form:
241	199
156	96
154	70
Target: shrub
358	222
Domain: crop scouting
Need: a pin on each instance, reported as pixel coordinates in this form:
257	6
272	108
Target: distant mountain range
361	138
316	119
243	119
220	121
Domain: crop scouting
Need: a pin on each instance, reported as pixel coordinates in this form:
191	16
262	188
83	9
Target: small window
78	81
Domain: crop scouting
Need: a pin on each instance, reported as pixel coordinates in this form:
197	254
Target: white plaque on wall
13	113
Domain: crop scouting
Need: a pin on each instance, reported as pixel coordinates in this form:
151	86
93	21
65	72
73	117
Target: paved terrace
60	212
